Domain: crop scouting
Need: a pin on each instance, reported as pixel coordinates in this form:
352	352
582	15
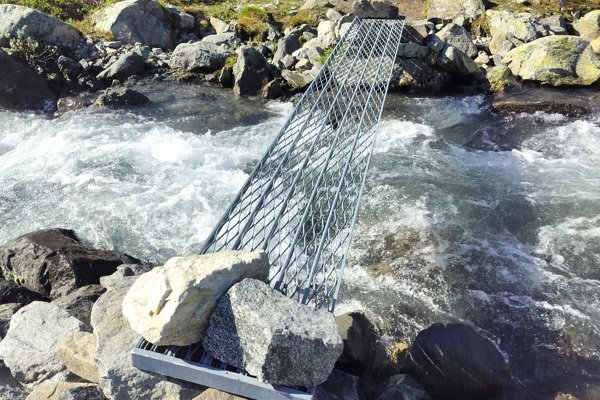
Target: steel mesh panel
301	201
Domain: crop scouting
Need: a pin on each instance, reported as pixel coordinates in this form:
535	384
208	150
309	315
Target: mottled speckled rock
273	337
556	61
458	37
509	30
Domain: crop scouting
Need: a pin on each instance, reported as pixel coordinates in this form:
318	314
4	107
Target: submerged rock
452	360
54	263
273	337
556	61
29	348
34	24
551	107
170	305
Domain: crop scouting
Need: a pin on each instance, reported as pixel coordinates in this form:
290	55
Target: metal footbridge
301	201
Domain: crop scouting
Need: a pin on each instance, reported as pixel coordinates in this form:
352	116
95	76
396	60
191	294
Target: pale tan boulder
53	390
588	27
77	353
170	305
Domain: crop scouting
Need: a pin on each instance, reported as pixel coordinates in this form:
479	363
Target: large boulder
79	303
458	37
375	9
454	361
416	76
54	263
77	353
119	380
556	61
509	30
129	64
34	24
273	337
20	87
198	57
10	292
132	21
460	11
170	305
588	27
251	71
450	58
29	348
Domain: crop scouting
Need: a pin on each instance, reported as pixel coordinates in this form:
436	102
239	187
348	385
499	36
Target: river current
466	216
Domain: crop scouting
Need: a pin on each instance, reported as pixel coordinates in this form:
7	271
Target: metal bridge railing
301	201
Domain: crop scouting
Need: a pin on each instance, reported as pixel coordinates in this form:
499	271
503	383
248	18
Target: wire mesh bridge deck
301	201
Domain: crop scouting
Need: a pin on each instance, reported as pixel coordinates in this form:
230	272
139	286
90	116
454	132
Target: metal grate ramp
300	203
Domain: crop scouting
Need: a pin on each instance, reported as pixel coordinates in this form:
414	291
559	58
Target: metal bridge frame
301	201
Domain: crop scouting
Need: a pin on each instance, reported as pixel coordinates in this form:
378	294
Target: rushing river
467	215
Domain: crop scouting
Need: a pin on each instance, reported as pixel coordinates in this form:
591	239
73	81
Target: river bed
466	216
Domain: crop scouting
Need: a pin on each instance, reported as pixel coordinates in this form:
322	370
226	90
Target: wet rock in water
556	61
550	107
416	76
271	90
403	387
21	88
79	303
129	64
54	263
273	337
458	37
121	98
251	71
77	353
34	24
501	79
29	348
198	57
455	10
119	380
133	21
588	27
452	360
375	9
339	386
170	305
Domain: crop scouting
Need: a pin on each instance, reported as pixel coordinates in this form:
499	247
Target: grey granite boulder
556	61
79	303
129	64
198	57
41	27
132	21
273	337
588	27
251	71
53	262
454	361
170	305
459	11
20	87
119	380
29	348
230	39
416	76
510	29
450	58
458	37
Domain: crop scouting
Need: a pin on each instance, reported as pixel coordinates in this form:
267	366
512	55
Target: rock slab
54	263
77	353
170	305
453	360
29	346
273	337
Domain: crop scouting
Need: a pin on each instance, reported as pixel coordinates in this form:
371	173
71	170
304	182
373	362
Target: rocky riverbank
459	46
89	306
